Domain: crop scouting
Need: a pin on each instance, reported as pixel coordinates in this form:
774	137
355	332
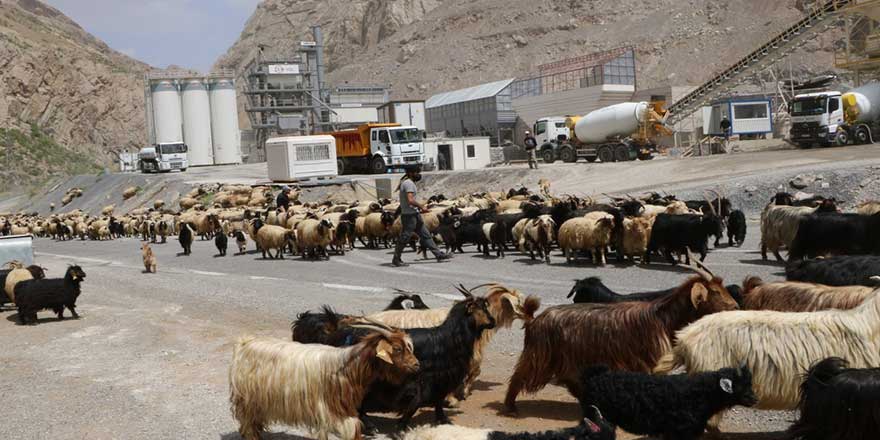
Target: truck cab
164	157
818	119
552	129
377	148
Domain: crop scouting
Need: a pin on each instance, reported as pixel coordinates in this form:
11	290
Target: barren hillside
63	90
421	47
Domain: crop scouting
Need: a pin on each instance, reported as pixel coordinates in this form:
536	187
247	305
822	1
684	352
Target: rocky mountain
65	91
421	47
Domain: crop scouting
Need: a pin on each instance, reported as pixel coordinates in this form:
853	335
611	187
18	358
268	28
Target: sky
186	33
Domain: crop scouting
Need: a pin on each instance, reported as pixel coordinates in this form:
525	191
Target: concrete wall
458	148
354	114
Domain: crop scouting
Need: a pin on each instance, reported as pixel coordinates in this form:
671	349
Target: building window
750	111
471	152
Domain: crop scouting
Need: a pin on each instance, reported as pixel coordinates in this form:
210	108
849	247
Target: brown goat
630	336
800	297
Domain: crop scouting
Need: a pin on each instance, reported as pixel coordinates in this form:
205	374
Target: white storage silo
224	122
167	118
197	123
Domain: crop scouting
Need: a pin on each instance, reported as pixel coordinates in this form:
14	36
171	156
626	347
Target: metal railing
761	58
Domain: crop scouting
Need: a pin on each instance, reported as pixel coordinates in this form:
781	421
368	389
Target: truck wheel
568	155
377	165
548	156
621	153
606	154
862	136
842	138
340	167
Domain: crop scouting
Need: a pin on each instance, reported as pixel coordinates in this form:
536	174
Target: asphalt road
149	358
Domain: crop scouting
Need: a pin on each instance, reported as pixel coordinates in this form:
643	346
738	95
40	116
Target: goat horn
464	291
384	332
709	201
700	271
718	195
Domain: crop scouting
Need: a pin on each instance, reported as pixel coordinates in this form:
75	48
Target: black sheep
841	270
240	241
32	296
672	407
185	237
838	403
593	290
36	271
222	242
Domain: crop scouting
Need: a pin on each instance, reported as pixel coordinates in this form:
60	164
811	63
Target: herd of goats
810	343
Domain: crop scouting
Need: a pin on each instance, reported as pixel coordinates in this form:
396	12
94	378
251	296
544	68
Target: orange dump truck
376	148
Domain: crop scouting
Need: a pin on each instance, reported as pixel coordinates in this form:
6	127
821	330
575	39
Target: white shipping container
294	158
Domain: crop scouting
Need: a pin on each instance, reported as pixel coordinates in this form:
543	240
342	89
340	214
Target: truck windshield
406	135
172	149
808	106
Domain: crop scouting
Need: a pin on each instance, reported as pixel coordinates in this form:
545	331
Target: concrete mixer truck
835	118
617	133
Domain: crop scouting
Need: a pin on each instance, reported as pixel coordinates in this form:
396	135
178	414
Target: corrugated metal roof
469	94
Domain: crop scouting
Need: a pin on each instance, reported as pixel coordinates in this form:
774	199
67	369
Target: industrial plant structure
196	110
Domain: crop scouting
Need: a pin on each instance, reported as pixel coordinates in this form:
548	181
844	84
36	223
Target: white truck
163	158
376	148
835	118
617	133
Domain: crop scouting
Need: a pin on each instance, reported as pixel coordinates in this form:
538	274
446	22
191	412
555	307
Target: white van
293	158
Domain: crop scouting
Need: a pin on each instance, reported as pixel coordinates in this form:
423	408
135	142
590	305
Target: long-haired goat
801	297
840	270
779	225
838	403
593	290
671	407
836	234
778	347
313	386
626	336
31	296
445	355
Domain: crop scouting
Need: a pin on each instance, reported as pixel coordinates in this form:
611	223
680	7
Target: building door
444	157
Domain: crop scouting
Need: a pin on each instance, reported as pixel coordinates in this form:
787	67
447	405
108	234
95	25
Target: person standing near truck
411	219
532	149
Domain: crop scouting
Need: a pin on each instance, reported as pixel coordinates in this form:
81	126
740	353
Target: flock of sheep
810	343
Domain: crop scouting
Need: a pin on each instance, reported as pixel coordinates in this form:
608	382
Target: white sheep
636	235
313	236
778	347
592	232
271	237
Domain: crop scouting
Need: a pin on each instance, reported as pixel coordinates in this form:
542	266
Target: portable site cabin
467	153
747	116
294	158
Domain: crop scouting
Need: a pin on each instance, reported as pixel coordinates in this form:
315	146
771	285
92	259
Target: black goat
836	234
678	233
322	327
838	403
496	233
222	242
444	353
593	290
32	296
673	407
736	228
186	237
840	270
782	199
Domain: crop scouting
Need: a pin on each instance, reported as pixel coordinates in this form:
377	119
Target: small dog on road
149	258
